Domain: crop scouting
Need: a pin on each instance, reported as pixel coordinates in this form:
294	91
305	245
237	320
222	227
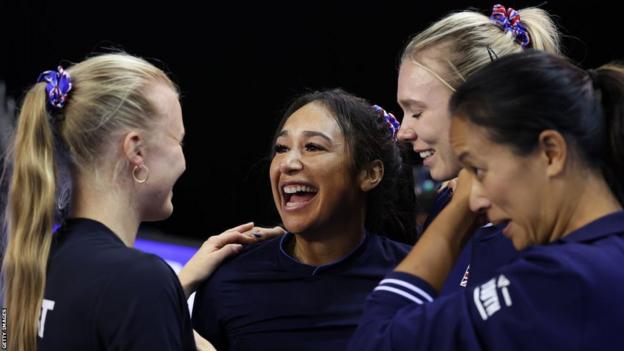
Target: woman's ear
554	150
133	148
371	175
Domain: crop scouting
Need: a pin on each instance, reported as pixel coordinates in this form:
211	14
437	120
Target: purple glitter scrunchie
57	87
389	118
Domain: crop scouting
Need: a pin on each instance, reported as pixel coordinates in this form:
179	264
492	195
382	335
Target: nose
406	130
291	162
478	202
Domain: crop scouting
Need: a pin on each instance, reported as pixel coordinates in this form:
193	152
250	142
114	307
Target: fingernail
258	235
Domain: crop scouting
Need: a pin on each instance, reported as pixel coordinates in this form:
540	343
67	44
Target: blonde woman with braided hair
110	129
433	65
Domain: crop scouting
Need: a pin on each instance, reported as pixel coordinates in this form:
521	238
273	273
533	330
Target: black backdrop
238	64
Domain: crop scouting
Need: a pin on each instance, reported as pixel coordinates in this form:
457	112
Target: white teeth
425	154
292	189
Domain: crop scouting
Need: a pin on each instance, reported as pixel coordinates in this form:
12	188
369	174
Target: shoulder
541	260
388	246
150	269
143	274
593	266
258	257
380	254
266	250
145	290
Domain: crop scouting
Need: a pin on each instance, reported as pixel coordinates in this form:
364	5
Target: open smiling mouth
426	154
297	196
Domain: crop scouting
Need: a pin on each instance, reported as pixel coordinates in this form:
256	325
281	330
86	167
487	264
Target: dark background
239	64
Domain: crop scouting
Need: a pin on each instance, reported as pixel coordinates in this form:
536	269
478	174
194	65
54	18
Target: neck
109	207
327	245
592	201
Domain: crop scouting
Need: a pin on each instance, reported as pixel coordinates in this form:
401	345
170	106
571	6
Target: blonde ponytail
30	219
465	40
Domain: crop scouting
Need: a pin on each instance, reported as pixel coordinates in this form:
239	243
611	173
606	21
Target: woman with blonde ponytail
110	130
433	65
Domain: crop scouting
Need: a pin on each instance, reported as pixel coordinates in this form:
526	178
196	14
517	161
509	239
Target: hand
217	248
450	184
436	251
462	188
202	344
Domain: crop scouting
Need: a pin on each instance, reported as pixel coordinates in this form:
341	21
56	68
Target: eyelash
311	147
279	148
478	173
417	115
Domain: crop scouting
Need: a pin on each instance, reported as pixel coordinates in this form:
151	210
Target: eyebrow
410	103
308	133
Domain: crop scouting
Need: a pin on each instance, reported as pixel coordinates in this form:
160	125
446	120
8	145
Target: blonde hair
108	95
465	38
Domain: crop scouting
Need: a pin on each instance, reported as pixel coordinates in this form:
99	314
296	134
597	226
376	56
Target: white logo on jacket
46	305
486	297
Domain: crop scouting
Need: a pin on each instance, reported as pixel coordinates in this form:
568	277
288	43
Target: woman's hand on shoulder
217	248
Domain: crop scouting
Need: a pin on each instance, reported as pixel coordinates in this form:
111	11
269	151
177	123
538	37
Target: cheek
338	177
509	197
441	125
430	127
274	170
408	122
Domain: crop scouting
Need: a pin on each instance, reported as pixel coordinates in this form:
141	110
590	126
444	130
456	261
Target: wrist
188	280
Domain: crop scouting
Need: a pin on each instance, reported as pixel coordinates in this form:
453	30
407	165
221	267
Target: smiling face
165	158
312	177
510	188
426	120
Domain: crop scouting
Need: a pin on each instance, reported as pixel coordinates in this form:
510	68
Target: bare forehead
467	136
312	117
167	105
419	85
163	97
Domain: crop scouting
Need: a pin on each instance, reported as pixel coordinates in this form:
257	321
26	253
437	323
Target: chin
519	246
443	174
159	215
294	228
519	242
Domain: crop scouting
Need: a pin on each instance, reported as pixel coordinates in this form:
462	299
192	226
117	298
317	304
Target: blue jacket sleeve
529	305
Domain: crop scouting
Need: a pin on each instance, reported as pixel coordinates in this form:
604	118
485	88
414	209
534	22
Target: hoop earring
136	179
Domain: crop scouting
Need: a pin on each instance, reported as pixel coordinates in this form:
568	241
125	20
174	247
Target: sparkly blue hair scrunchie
509	21
58	85
389	118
